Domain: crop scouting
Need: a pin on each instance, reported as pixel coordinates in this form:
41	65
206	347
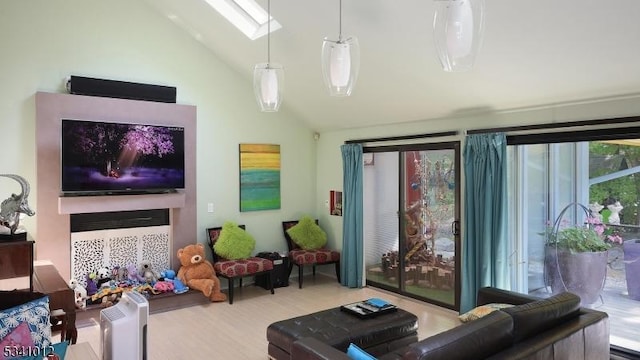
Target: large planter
583	273
632	267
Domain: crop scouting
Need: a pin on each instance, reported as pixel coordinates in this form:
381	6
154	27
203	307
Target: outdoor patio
624	312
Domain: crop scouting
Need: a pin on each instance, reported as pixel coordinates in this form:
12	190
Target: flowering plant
592	236
609	234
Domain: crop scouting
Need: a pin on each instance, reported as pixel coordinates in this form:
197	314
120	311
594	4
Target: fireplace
119	239
53	233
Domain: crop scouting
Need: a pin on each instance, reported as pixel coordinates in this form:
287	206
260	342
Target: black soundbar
79	85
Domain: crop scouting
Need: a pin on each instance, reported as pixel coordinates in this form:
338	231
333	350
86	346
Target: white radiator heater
123	328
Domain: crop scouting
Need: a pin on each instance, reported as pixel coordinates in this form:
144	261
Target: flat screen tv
103	158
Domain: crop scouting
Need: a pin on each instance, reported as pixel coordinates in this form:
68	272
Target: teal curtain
351	261
485	247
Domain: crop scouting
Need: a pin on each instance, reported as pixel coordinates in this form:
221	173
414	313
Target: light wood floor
238	331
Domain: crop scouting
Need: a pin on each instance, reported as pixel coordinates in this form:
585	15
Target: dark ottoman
378	335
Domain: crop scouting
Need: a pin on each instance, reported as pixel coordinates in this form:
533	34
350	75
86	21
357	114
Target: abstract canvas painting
259	177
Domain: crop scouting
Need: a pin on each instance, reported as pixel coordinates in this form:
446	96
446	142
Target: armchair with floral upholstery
232	257
306	247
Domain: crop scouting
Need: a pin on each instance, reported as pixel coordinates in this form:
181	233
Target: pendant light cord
269	33
340	23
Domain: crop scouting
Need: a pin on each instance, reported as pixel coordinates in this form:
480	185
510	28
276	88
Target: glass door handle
455	228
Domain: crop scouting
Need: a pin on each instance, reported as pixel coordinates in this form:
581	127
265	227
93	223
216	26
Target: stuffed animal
163	286
81	303
92	287
109	300
198	273
146	271
132	274
80	293
103	276
118	273
179	287
168	274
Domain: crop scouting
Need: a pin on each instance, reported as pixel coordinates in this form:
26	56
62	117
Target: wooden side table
16	260
47	280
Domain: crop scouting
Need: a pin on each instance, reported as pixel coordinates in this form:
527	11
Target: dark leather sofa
553	328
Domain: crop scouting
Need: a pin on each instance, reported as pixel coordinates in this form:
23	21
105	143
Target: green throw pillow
234	243
307	234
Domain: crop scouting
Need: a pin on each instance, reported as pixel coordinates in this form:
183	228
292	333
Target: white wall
44	41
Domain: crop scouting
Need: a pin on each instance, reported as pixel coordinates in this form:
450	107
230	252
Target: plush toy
132	274
103	276
106	296
118	273
145	289
109	300
81	303
92	287
163	286
198	273
146	271
178	286
168	274
80	293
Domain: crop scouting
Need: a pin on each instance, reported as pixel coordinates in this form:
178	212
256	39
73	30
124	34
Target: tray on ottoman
377	335
369	308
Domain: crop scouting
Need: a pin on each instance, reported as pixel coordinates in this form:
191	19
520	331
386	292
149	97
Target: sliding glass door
601	175
411	222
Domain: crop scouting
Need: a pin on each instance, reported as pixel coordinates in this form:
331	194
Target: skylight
246	15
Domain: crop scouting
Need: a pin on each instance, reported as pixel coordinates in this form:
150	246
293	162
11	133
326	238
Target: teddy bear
146	271
197	272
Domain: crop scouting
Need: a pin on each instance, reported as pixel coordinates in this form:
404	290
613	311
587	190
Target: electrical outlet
210	207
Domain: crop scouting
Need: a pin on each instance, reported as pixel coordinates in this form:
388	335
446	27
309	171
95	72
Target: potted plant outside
576	256
631	250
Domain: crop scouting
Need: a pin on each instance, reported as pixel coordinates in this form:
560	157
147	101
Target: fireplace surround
119	239
53	233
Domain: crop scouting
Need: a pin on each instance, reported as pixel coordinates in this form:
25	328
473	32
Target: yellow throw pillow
482	310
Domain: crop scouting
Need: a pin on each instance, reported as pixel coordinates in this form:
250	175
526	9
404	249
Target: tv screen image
114	158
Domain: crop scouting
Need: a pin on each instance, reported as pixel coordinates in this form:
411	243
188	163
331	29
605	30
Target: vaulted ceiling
534	53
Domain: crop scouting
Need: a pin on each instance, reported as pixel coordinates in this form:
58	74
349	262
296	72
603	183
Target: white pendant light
458	28
268	77
340	63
